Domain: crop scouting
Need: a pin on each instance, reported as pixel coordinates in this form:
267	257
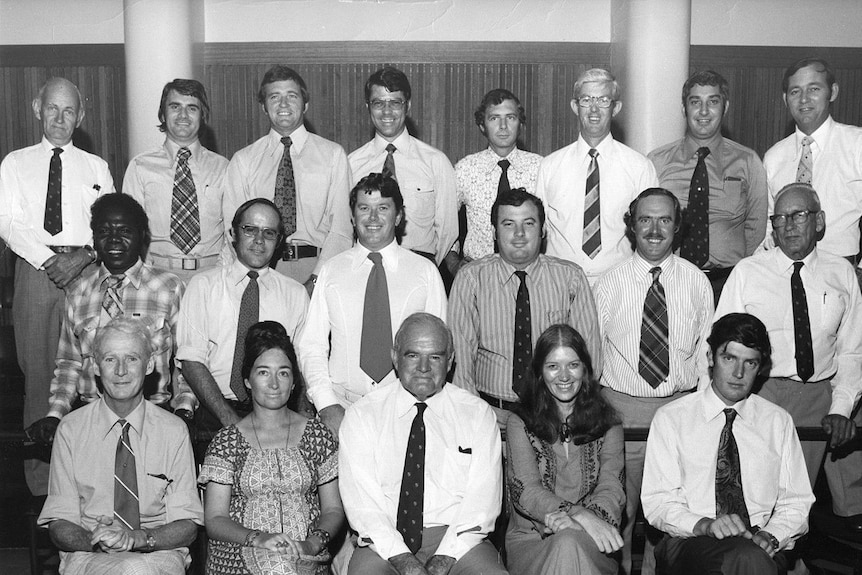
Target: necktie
411	500
126	508
389	162
592	239
805	170
801	325
654	363
285	189
728	475
54	199
185	218
112	301
503	185
695	247
249	311
376	342
522	352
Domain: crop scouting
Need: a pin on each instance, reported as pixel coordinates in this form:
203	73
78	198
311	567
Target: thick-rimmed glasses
600	102
799	218
380	105
269	234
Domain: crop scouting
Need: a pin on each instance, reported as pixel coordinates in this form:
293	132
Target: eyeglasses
269	234
379	105
799	218
588	101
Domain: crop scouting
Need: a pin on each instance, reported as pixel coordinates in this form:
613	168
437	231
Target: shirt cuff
322	396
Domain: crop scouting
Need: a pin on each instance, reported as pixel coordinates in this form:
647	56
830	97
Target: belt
292	252
64	249
717	274
183	263
497	402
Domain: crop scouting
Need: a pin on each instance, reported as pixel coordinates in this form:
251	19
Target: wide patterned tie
389	162
801	325
249	311
805	170
522	353
126	507
503	185
592	238
376	341
285	189
412	499
185	216
112	301
654	363
728	474
54	198
695	247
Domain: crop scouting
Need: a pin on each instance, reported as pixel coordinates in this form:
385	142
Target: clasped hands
605	535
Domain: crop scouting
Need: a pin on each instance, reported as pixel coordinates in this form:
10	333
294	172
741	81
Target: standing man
413	518
363	295
482	176
306	176
655	312
720	184
810	302
424	174
587	185
46	192
501	304
180	185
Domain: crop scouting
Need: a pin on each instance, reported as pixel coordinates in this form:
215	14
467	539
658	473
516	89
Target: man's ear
726	108
617	107
151	364
834	95
37	108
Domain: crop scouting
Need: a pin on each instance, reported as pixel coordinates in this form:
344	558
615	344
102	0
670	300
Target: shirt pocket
85	332
420	204
456	469
832	306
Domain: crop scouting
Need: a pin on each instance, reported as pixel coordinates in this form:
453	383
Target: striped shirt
482	316
150	295
620	295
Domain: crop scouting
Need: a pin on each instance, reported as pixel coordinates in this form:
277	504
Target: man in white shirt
724	476
424	173
335	343
588	185
446	441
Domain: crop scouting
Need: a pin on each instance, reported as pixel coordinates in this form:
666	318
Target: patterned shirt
150	295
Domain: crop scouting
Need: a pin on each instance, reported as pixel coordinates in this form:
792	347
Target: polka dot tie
592	237
389	162
54	200
411	500
801	325
654	363
522	354
126	507
503	185
695	244
805	170
729	498
285	189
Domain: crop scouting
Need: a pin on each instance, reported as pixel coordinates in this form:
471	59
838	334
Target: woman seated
565	466
272	501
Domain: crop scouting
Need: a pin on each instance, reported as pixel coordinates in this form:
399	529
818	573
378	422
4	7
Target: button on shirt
23	185
427	181
679	473
150	180
477	177
760	285
463	488
737	193
623	172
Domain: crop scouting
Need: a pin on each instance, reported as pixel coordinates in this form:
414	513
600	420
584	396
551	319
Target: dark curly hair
264	336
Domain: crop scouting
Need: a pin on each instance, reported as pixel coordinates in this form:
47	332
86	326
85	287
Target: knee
569	544
748	558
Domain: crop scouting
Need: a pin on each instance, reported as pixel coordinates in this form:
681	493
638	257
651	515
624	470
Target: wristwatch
772	540
323	535
91	253
151	540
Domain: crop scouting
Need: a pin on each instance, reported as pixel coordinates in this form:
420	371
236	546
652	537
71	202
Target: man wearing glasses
424	174
588	185
222	303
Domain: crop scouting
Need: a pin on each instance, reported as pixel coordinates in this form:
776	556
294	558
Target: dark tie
249	311
411	501
285	189
185	217
389	162
376	341
522	352
503	185
592	238
54	199
728	475
112	301
805	169
801	325
695	247
654	363
126	508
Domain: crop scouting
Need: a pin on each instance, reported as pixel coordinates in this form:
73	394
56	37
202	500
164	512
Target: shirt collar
643	267
491	159
49	147
785	264
690	146
106	418
133	273
404	401
389	254
402	143
298	138
713	406
820	135
605	147
506	271
172	149
238	271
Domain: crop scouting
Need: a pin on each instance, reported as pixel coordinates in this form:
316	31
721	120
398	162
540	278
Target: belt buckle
189	264
289	252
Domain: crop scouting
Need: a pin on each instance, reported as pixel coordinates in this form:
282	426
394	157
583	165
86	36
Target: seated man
728	495
412	518
122	498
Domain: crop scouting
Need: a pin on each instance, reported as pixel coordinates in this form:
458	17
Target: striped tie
592	238
126	508
805	171
185	217
654	363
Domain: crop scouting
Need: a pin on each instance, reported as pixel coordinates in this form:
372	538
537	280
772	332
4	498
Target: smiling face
182	118
704	110
808	97
270	380
654	228
595	122
501	125
519	234
59	110
118	241
563	374
734	369
375	219
122	362
255	251
283	104
388	122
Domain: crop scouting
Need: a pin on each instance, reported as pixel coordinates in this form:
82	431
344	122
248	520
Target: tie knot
702	152
729	415
655	272
124	425
522	275
376	258
57	151
391	148
115	280
287	142
797	266
504	165
253	275
807	141
594	153
420	408
184	154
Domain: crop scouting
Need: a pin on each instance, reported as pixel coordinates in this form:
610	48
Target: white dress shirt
463	468
682	449
329	345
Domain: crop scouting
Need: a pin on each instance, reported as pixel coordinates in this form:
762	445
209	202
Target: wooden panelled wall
448	79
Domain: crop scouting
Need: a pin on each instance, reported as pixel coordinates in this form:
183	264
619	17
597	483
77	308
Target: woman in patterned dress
272	499
564	466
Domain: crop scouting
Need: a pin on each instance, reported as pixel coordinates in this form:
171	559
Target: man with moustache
180	185
46	191
655	311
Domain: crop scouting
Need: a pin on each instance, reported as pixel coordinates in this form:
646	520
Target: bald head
59	109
